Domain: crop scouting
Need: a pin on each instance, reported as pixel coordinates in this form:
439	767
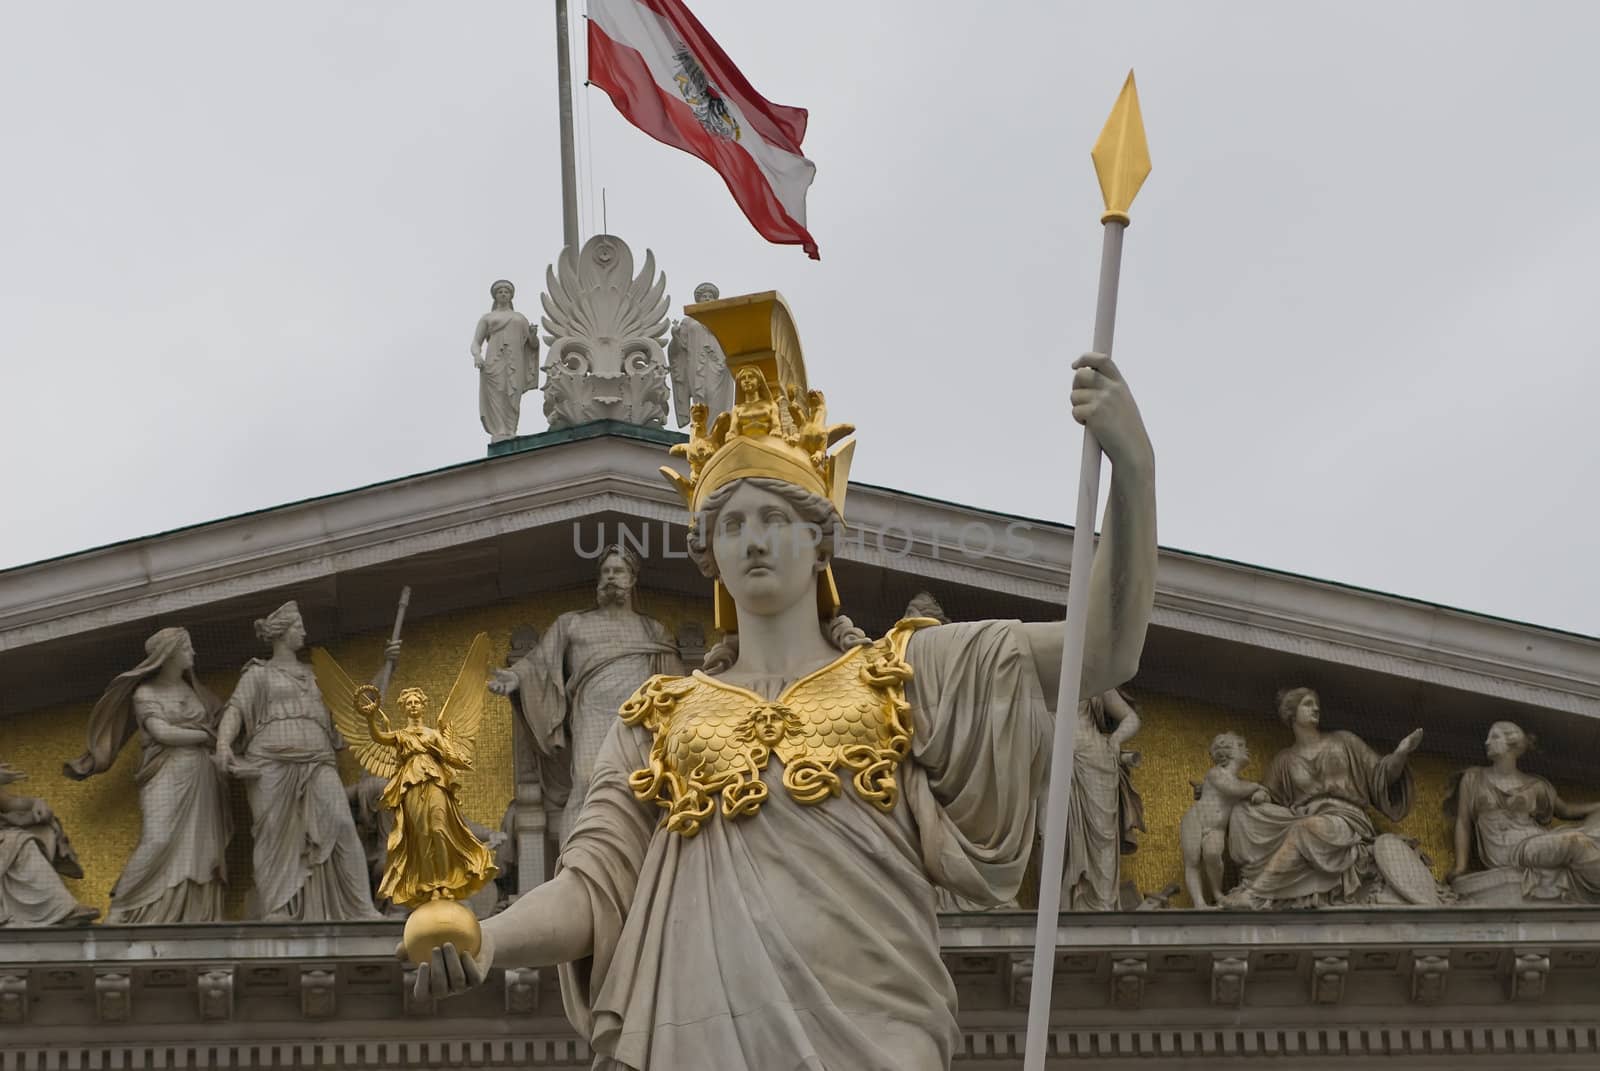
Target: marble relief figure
751	880
34	856
505	351
1203	830
309	861
568	688
1509	848
1313	844
178	871
1104	809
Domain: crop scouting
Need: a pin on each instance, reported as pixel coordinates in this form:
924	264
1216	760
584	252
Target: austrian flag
671	80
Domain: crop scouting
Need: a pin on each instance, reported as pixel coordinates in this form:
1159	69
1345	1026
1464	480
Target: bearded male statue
570	686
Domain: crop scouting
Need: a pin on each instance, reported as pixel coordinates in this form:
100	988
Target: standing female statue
505	350
750	883
1504	819
1104	808
178	872
309	862
1312	845
34	856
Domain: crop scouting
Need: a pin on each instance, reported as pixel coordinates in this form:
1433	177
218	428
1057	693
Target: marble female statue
505	351
1504	818
751	880
1312	845
178	872
1104	808
309	862
34	856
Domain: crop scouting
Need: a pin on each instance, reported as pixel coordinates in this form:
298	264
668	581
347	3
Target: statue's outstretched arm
1122	583
1563	809
382	736
547	926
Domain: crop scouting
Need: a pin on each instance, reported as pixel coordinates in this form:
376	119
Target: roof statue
699	370
505	350
736	890
434	858
605	328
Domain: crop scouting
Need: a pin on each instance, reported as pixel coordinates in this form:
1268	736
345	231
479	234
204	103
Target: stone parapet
1392	988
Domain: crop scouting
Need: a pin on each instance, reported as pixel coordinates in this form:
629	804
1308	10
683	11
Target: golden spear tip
1121	156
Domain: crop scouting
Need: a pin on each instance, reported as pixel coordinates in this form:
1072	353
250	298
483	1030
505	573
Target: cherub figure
1203	832
432	852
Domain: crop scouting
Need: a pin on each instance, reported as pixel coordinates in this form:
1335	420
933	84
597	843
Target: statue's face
616	579
1239	752
705	292
414	704
502	293
766	553
1505	738
184	655
295	636
1308	712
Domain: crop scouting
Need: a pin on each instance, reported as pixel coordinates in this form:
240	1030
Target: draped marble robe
178	870
510	369
34	856
1103	813
570	687
309	861
805	937
1312	845
1516	828
178	873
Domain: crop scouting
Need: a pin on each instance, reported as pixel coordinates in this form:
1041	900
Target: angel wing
339	694
463	711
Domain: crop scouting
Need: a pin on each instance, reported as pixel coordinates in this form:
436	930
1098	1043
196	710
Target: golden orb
439	922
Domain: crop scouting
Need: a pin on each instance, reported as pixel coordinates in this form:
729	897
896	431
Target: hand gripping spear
1122	161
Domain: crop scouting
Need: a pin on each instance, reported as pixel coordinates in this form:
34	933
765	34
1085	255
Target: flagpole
1122	161
569	152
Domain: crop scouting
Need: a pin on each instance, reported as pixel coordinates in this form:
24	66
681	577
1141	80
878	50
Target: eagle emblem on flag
708	105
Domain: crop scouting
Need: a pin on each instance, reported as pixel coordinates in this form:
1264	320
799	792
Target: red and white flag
671	80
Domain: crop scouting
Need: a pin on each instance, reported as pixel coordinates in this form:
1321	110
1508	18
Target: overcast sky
245	247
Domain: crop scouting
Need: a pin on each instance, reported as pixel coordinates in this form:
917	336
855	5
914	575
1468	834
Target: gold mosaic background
102	814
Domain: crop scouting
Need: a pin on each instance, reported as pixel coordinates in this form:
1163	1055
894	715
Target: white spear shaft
1125	165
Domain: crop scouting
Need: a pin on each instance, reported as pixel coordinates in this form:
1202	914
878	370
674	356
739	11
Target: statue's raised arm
1122	582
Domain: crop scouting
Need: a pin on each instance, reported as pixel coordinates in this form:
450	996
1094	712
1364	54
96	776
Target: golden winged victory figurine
434	860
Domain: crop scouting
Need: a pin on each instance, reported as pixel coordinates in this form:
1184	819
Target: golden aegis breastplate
714	739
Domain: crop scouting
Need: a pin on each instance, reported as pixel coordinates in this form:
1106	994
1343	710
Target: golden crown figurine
434	860
777	428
